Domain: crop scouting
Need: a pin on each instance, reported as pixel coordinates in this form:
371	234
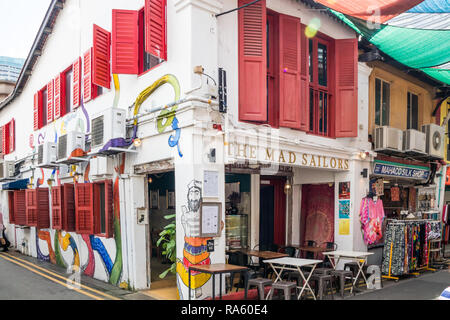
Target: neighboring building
9	73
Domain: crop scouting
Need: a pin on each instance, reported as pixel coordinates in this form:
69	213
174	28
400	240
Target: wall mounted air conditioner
65	171
68	143
47	154
414	142
101	166
7	169
107	125
388	139
435	140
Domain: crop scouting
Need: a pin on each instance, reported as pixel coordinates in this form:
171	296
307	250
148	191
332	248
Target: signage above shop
284	157
391	169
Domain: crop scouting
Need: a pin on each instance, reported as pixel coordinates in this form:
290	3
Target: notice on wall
210	217
344	227
344	209
211	184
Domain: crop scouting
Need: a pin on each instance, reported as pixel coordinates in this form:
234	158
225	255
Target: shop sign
389	169
285	157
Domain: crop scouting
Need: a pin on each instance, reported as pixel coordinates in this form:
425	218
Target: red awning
372	10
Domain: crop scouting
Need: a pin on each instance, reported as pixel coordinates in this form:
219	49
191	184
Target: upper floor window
382	102
412	111
68	90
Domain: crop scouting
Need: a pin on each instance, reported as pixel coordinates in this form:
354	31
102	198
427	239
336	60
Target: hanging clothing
371	215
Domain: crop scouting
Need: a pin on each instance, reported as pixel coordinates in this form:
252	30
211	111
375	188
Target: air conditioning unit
47	154
388	139
101	166
107	125
7	169
435	140
65	171
68	143
414	142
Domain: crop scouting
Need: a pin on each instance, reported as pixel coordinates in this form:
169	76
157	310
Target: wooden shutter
69	219
109	209
84	208
101	72
155	28
290	65
5	133
57	207
12	135
57	96
88	92
37	122
125	42
346	117
31	207
76	82
50	93
304	80
42	204
20	214
252	61
12	219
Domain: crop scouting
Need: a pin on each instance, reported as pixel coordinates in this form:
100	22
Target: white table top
293	261
351	254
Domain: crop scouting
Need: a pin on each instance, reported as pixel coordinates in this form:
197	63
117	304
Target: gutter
44	31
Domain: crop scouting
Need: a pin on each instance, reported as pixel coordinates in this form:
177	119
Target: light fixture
137	142
364	172
150	180
287	187
363	155
386	181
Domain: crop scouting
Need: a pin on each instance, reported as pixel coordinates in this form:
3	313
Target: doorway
272	220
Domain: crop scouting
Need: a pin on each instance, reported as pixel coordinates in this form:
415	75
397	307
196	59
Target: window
43	109
382	102
412	111
8	137
319	96
147	61
68	92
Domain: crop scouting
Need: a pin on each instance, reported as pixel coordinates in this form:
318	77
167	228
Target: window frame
409	111
64	86
382	81
97	205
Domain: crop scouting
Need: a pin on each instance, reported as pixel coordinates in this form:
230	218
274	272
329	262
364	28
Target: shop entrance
317	217
272	220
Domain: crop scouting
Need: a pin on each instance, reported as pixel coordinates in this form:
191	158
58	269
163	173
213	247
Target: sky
20	21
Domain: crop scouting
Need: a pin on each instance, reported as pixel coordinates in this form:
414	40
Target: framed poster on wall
170	199
210	218
154	199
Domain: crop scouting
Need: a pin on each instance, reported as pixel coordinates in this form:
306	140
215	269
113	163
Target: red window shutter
12	219
76	82
155	28
42	205
12	135
304	80
57	96
50	93
252	61
109	209
125	42
20	214
31	207
84	208
101	72
88	93
346	88
57	207
290	66
36	111
5	149
68	223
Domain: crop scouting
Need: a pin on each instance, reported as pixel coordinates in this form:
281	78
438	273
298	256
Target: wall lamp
364	173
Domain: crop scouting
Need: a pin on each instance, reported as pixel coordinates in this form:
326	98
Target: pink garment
371	216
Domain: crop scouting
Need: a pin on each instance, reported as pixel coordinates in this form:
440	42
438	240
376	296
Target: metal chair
326	262
310	243
342	275
285	286
260	283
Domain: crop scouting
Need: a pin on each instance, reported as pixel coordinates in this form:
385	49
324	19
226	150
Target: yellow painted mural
444	112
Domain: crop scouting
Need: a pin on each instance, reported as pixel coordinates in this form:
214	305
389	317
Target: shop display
236	231
371	215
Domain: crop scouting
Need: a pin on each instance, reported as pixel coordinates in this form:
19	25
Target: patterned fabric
371	215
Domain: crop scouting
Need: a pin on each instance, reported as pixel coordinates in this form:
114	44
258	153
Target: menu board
210	217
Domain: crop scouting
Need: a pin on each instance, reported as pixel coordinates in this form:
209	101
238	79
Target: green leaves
167	242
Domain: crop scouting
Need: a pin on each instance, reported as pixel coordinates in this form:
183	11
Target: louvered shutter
36	111
346	88
88	92
57	207
5	149
290	65
69	207
12	219
57	96
76	82
252	61
42	205
20	214
101	72
12	136
304	80
109	209
125	42
84	208
50	93
31	207
155	28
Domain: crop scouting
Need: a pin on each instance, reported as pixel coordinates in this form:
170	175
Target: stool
285	286
260	283
323	279
323	270
353	266
342	275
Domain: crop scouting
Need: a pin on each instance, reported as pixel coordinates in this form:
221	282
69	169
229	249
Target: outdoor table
315	250
356	256
219	268
294	264
264	255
